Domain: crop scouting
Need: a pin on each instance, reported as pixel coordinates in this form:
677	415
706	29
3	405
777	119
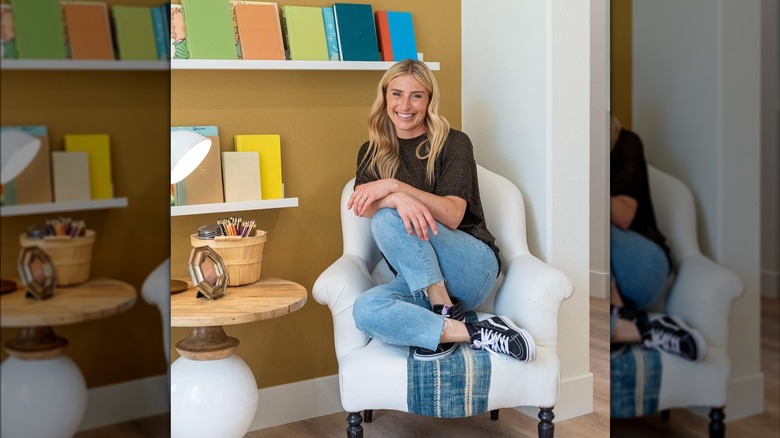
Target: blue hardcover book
160	39
33	185
330	34
356	32
402	35
204	184
165	10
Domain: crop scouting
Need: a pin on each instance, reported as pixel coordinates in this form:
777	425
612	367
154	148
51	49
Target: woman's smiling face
407	105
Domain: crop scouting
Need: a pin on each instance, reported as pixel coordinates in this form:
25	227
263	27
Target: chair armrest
338	287
702	296
531	296
156	289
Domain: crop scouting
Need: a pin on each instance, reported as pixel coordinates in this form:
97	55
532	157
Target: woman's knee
386	221
360	311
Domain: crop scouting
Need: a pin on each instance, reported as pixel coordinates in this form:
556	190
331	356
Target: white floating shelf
74	64
222	207
247	64
60	207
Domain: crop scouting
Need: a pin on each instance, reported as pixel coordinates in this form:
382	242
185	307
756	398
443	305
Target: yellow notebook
97	146
270	151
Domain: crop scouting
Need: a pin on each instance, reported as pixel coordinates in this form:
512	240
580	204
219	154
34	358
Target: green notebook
209	25
39	32
134	33
305	32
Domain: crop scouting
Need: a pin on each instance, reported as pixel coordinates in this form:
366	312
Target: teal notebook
39	31
356	32
209	25
134	33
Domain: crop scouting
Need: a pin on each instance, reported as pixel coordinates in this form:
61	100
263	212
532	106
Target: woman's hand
366	194
416	216
622	210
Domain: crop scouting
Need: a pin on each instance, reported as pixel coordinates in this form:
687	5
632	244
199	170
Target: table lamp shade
17	150
188	149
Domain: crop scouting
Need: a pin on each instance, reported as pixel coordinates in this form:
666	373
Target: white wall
696	105
599	149
526	106
770	148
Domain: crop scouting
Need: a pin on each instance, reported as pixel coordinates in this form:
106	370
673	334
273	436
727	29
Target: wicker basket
71	256
242	255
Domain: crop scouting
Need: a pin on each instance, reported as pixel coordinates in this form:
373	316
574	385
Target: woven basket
71	256
242	255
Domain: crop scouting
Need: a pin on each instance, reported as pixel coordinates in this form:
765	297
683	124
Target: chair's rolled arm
531	295
338	288
702	295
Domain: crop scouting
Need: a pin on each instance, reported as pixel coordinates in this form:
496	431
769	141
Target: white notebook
241	176
71	176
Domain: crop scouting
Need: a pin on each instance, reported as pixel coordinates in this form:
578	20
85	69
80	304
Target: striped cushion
635	380
453	387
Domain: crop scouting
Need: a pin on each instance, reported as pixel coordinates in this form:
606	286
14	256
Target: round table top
94	299
267	298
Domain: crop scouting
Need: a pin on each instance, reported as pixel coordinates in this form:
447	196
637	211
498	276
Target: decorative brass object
37	272
208	273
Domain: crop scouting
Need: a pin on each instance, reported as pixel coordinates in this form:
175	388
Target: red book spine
383	33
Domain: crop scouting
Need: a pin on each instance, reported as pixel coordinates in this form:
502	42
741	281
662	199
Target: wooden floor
389	424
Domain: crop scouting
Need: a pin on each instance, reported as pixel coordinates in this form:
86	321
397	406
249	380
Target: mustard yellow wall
321	117
620	60
133	108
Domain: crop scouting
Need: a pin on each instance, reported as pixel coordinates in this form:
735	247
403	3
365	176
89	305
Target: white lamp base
212	398
41	398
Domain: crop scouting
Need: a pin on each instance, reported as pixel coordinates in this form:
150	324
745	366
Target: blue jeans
399	312
639	267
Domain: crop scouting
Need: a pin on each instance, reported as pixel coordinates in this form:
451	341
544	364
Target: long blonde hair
383	147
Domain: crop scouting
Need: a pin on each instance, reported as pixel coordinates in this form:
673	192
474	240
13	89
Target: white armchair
701	295
157	290
373	375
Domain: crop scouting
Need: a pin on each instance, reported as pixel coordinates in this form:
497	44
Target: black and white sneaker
442	351
670	334
455	311
498	334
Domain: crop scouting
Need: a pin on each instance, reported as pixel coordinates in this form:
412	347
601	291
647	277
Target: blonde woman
417	181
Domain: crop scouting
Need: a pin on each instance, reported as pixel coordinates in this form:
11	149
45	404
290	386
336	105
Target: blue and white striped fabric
635	380
453	387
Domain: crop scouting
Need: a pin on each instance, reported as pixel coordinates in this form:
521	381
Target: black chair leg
665	415
546	425
368	415
494	415
354	429
717	427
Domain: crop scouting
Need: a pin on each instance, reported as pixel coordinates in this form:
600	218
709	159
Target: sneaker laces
663	340
493	342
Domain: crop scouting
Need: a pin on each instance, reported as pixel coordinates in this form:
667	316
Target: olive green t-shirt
455	174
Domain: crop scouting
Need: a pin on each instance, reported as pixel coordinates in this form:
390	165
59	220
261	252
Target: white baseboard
770	284
746	398
599	284
126	401
297	401
575	398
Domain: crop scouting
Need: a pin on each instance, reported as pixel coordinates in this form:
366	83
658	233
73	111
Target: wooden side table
43	391
213	391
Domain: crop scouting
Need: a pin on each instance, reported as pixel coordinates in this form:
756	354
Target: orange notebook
259	30
88	30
